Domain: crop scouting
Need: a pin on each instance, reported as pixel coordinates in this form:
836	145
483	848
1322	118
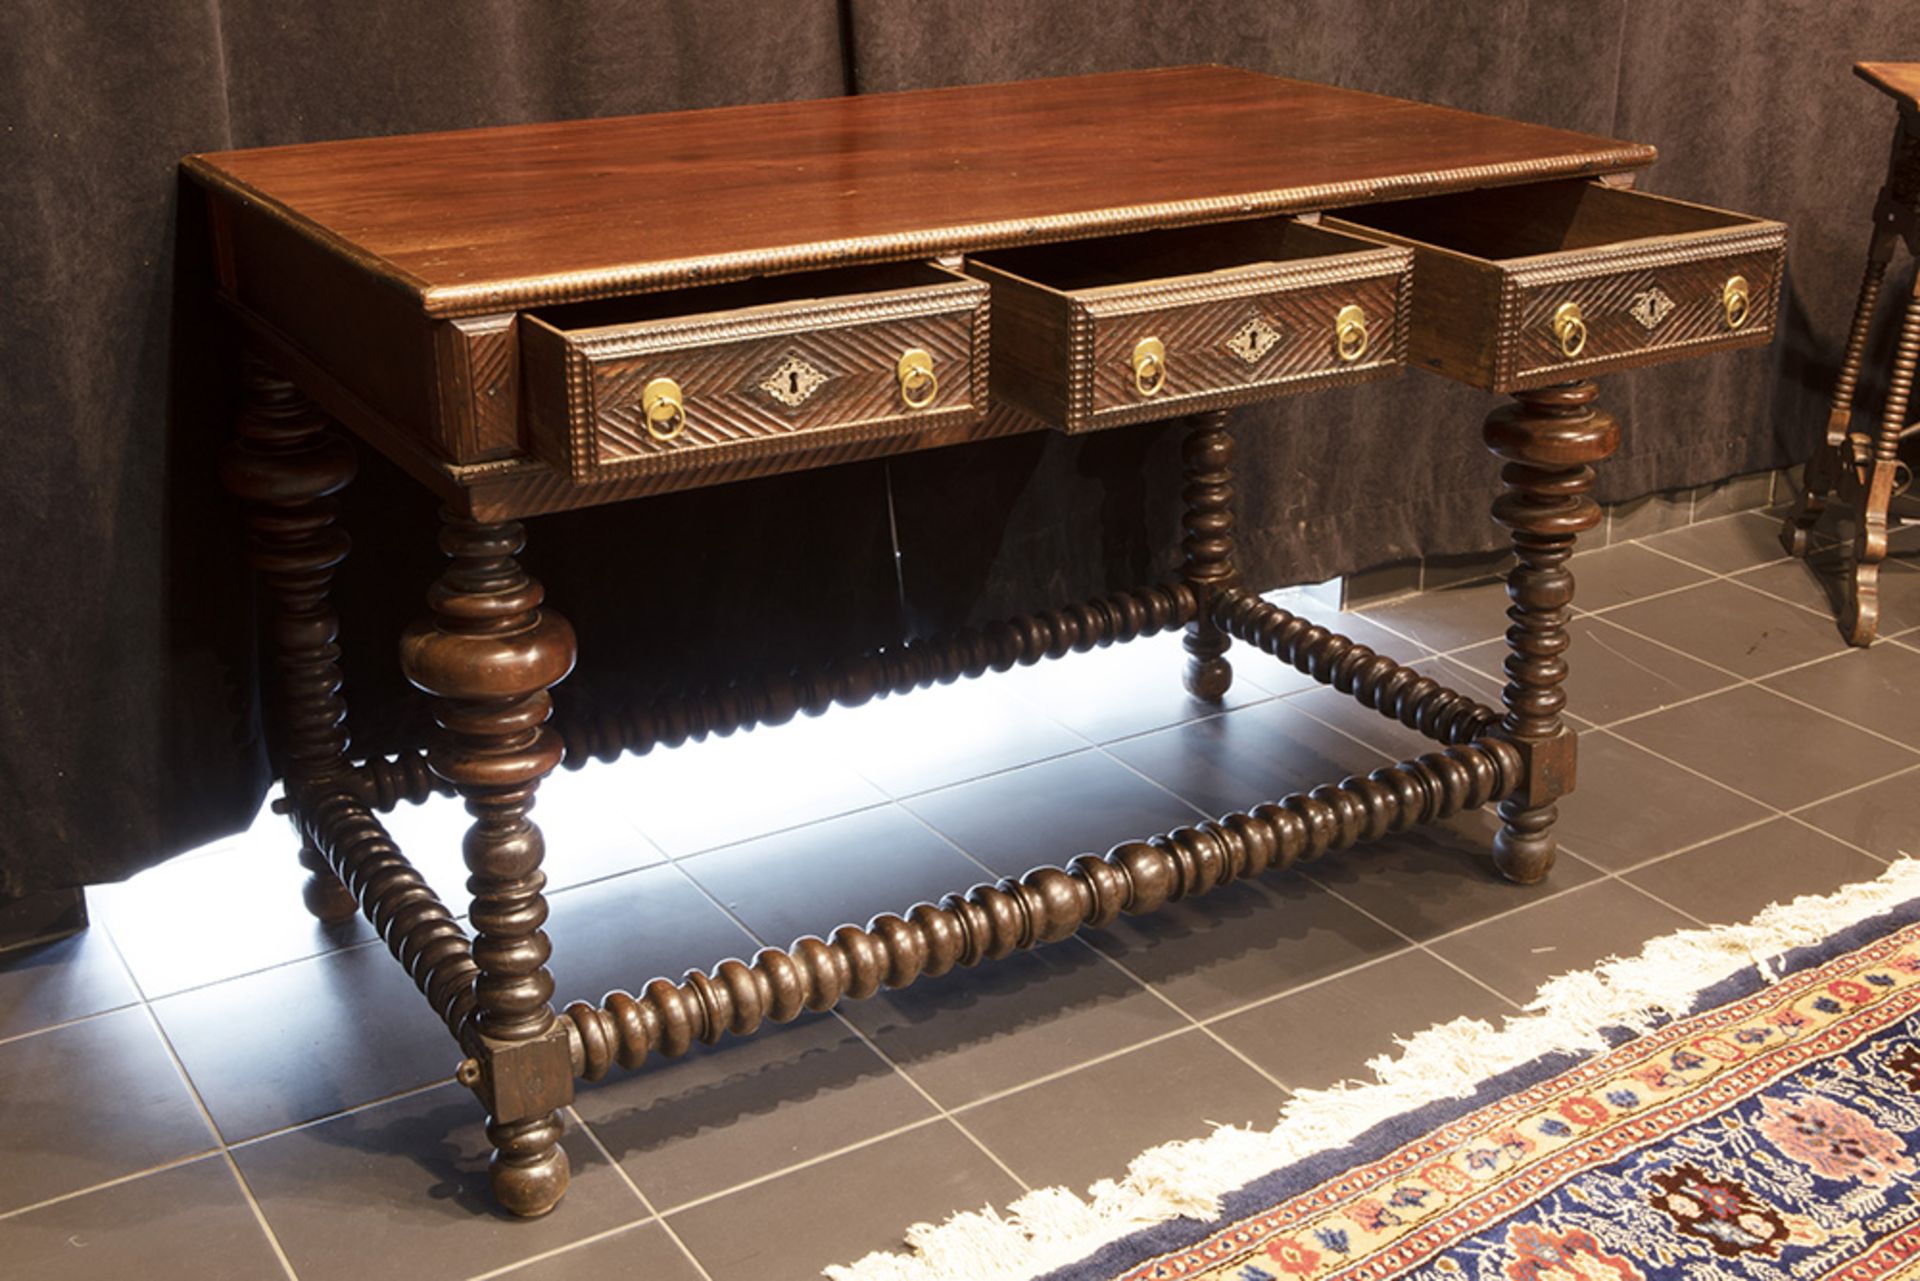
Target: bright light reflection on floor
731	787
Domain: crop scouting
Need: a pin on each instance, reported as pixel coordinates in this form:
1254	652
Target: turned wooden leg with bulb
1549	441
1207	550
488	655
287	464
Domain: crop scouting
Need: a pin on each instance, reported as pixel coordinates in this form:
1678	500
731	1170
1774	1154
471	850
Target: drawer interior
1541	218
1076	265
796	289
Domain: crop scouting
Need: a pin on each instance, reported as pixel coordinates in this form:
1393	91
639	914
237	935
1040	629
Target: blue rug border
1178	1234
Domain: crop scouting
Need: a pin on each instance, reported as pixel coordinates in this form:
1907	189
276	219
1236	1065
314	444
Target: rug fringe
1052	1227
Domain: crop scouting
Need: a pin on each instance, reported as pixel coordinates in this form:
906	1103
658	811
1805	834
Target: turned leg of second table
1862	619
1830	462
1549	441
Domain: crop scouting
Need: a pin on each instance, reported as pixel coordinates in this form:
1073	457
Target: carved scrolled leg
1207	455
1862	618
488	655
1831	461
286	465
1549	441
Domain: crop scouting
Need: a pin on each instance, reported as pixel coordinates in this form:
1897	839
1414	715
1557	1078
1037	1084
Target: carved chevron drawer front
1100	333
1526	286
727	376
1672	301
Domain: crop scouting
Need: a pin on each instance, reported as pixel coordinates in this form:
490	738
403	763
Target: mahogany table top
491	219
1898	80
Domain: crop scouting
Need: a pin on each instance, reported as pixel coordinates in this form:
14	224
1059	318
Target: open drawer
718	374
1518	287
1097	333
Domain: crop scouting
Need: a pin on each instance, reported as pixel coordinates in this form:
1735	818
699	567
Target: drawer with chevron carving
1098	333
733	379
1524	286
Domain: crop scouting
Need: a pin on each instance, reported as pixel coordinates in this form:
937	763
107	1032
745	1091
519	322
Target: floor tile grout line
1622	873
1468	974
883	802
1424	945
1060	1073
1141	774
1742	681
76	1021
1388	757
1737	581
646	1203
1167	1000
839	1015
1773	811
652	1215
1408	944
1077	937
1357	967
939	1108
888	1059
226	1153
1800	821
259	1213
1671	907
1857	787
368	1105
1210	714
569	1248
1815	707
768	1176
20	1211
226	1149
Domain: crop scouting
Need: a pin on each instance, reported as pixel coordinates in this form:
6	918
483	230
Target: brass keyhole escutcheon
1570	327
664	407
1350	333
1149	366
1734	298
918	384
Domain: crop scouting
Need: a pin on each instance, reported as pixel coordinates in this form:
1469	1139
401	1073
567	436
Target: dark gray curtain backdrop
129	701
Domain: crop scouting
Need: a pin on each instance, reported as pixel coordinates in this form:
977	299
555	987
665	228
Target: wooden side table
553	316
1864	468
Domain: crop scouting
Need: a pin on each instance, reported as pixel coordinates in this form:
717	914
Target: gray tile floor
179	1100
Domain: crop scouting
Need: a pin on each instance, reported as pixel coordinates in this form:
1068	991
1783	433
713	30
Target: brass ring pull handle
1149	366
1350	333
664	407
1570	327
918	384
1736	302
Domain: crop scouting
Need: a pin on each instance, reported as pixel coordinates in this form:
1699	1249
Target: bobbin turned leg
286	465
1548	440
488	655
1836	456
1862	618
1207	458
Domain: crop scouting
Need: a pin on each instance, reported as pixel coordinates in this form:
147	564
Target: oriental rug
1738	1103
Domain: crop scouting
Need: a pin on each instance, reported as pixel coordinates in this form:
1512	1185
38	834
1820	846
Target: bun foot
1524	847
530	1171
1208	679
326	898
330	902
